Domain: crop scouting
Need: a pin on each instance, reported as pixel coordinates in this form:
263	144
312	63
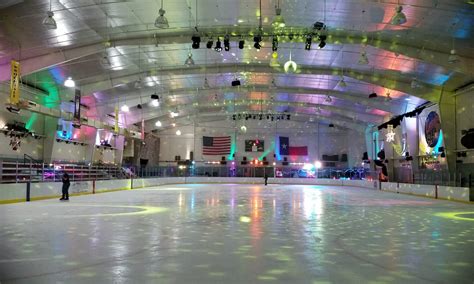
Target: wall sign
432	129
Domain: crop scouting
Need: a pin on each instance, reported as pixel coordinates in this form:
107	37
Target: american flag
216	145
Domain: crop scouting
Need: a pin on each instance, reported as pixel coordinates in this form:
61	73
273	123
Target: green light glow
31	121
456	215
144	210
233	148
270	149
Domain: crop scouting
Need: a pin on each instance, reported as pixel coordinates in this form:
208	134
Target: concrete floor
238	234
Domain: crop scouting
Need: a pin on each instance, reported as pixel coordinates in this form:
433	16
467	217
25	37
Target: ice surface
238	234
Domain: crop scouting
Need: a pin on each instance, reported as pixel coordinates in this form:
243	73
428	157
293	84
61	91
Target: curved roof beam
61	55
181	121
356	98
382	78
342	113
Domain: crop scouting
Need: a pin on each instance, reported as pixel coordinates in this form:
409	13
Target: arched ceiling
107	45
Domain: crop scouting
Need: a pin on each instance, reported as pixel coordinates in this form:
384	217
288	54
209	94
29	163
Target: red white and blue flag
216	145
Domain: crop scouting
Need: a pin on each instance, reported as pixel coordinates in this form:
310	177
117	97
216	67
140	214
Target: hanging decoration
15	83
116	126
390	136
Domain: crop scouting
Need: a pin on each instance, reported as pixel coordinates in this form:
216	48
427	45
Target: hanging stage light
363	59
241	43
189	61
257	39
226	43
161	21
275	43
218	47
309	39
209	43
322	42
196	41
373	95
399	18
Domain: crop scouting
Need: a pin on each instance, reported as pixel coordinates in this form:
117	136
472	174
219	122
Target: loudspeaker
265	163
244	158
223	162
468	139
223	158
284	163
365	156
344	158
191	155
285	159
274	155
264	159
243	162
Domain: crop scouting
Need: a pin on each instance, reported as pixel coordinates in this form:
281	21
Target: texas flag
286	150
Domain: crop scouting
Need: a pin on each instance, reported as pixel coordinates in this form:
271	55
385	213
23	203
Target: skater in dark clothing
66	184
266	179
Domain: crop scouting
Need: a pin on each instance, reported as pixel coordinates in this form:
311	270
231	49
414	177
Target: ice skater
66	184
265	177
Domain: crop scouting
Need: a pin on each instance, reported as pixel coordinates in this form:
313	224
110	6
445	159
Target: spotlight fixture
241	43
399	18
342	83
453	57
388	97
189	61
226	43
363	59
331	125
309	39
290	66
178	132
318	26
218	47
161	21
209	43
138	83
275	43
278	21
69	83
155	103
125	108
206	84
196	41
322	42
274	61
372	95
49	21
158	123
328	99
257	40
414	83
235	83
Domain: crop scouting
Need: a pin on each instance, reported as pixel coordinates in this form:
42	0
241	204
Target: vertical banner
143	129
116	128
77	108
15	83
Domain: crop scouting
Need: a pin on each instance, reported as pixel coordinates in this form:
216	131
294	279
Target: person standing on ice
265	177
66	184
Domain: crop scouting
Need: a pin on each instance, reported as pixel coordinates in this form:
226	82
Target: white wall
329	141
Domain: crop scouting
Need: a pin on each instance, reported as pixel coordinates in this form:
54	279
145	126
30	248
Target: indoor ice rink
234	233
236	141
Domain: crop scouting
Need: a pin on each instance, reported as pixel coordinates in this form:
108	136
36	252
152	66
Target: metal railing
32	171
433	177
12	172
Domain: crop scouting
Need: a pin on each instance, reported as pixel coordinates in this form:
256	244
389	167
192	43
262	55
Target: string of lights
261	116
